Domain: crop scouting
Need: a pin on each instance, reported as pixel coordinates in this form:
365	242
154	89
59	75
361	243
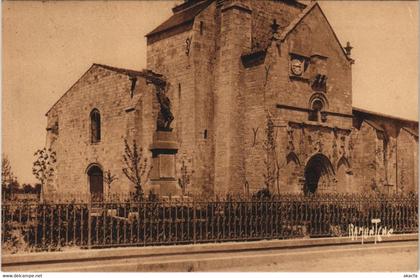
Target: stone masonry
233	67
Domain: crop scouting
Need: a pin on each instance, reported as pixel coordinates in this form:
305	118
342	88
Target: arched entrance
96	184
318	171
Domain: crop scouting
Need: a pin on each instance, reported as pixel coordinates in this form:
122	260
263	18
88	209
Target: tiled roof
181	17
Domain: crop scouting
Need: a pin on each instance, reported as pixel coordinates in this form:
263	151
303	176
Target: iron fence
169	221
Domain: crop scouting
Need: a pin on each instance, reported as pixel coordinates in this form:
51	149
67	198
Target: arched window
316	108
95	126
318	105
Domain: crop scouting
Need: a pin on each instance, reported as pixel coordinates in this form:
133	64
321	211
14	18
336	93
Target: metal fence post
89	223
194	221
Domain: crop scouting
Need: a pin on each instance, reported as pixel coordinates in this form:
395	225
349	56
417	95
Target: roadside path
334	259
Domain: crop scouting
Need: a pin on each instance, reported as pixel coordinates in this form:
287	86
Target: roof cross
348	49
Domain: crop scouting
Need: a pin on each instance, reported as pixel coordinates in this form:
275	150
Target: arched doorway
318	171
96	184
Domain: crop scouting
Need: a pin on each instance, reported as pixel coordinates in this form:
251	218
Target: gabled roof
299	18
144	73
128	72
153	77
181	17
293	24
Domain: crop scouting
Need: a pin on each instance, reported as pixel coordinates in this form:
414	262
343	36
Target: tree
9	183
108	179
135	169
184	181
278	166
6	171
269	146
27	188
43	167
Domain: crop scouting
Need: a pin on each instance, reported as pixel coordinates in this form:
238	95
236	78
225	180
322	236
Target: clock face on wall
297	66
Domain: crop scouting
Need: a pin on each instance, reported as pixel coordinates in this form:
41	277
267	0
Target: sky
47	46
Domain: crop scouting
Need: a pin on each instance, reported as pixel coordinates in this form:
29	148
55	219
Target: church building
238	96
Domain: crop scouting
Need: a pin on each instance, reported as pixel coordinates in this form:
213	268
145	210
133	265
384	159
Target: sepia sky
47	46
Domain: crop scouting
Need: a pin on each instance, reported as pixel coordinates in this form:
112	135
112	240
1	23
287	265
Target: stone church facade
261	96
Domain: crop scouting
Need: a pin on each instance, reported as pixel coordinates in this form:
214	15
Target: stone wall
221	105
270	83
204	54
407	146
187	61
173	58
263	13
109	92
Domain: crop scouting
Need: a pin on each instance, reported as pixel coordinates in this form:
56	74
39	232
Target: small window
205	134
201	27
95	126
56	128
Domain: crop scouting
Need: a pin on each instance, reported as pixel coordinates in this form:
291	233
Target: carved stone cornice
319	125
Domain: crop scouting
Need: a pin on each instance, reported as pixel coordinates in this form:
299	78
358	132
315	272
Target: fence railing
53	226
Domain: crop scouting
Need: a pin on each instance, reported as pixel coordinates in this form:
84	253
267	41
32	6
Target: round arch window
316	107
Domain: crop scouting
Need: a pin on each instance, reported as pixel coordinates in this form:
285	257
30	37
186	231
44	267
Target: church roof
411	131
364	111
148	74
297	20
186	12
181	17
121	70
264	45
374	125
144	73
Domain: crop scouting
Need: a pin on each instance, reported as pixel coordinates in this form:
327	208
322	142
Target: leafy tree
6	171
43	167
38	189
27	188
13	187
9	183
136	167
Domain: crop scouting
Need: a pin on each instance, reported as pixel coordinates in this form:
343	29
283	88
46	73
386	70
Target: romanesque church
238	95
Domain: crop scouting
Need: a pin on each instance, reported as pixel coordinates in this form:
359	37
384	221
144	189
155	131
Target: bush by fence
54	225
